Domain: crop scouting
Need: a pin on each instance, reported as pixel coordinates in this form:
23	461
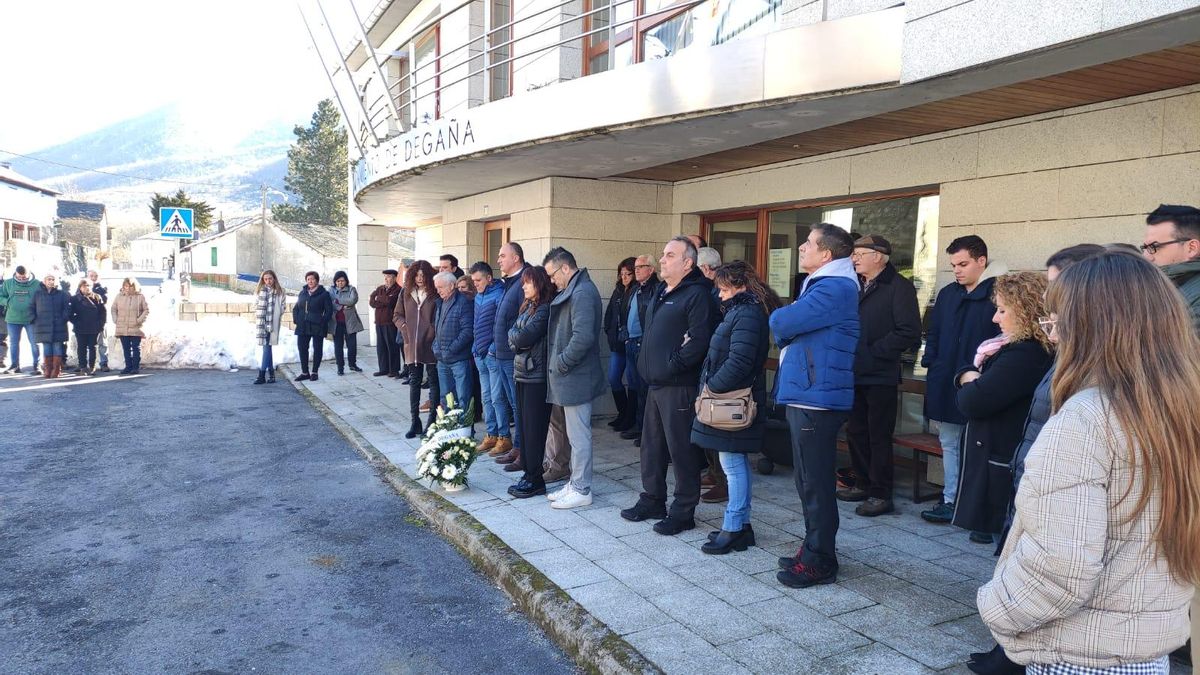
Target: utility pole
262	233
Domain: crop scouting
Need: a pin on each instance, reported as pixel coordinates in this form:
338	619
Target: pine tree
201	211
317	171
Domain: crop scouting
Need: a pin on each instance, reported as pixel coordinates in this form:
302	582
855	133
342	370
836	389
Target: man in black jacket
647	281
890	324
679	323
101	339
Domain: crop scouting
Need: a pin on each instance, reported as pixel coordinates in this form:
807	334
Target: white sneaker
559	493
572	500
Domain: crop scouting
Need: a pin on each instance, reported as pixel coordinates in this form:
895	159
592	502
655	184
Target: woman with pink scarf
994	395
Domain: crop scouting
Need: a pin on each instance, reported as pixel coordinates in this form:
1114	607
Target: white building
27	211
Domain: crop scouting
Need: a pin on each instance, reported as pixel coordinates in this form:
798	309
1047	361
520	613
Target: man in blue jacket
488	292
455	333
512	265
818	336
960	320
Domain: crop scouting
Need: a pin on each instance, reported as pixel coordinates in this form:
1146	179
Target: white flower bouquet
447	450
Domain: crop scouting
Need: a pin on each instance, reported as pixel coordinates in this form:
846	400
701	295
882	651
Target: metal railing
400	97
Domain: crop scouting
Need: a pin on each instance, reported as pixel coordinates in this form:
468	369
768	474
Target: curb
583	637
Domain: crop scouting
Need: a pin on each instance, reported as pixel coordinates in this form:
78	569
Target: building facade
27	212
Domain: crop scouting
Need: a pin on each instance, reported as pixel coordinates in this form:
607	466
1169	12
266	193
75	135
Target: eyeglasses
858	256
1153	246
640	267
556	271
1047	325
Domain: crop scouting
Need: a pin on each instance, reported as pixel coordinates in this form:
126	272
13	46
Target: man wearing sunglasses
1173	243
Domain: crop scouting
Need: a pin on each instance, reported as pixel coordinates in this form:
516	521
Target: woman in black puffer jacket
615	317
527	338
737	356
312	313
87	316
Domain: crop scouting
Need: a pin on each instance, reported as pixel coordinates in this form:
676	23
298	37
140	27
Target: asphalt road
189	522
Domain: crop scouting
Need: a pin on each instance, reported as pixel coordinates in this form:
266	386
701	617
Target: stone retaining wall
195	311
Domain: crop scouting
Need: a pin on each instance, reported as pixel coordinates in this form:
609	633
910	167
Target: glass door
496	233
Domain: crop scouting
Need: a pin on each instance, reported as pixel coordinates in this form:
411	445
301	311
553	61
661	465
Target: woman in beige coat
129	311
1099	566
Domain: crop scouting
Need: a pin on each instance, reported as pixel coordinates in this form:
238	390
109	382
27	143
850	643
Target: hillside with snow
215	152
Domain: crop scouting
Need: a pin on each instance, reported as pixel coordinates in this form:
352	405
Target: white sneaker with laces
572	500
559	493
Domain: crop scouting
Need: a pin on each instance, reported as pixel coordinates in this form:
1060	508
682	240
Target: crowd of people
1061	401
46	312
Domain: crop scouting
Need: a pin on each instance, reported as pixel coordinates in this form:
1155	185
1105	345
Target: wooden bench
922	445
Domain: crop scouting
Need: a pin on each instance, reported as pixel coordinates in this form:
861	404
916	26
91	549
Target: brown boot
489	442
716	494
55	366
47	367
503	446
509	457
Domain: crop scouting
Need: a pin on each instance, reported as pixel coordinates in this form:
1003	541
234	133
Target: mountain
219	154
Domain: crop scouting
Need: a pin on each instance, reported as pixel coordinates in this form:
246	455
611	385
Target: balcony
544	95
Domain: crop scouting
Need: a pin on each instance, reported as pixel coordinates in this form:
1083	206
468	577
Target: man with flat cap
890	324
383	300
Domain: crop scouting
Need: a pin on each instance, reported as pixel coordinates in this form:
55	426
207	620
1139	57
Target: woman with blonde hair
129	312
995	394
1100	564
269	299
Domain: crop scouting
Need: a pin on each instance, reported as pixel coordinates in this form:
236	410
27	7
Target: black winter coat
312	312
506	314
616	315
51	309
960	322
1039	413
737	358
527	340
996	406
688	309
87	316
890	324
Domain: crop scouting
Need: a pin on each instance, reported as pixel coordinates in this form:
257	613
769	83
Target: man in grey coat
573	375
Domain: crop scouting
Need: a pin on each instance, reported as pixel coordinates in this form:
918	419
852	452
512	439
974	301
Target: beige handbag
731	411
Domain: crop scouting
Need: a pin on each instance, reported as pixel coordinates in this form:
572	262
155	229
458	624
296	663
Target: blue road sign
175	223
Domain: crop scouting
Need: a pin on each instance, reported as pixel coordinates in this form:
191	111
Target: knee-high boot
414	403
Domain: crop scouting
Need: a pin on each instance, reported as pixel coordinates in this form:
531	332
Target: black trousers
318	351
85	350
869	432
387	352
343	340
814	457
414	389
535	425
666	434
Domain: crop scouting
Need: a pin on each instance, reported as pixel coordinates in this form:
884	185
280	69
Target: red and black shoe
846	478
800	575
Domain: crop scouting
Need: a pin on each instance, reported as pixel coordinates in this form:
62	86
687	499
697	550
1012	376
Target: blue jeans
950	436
737	472
268	358
616	369
509	388
455	378
500	401
54	349
633	347
14	342
490	425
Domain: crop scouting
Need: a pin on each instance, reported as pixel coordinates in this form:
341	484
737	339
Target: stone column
368	258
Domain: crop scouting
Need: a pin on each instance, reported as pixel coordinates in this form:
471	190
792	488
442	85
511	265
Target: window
426	78
500	76
213	253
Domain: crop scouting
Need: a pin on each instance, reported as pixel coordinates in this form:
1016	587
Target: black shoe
748	528
725	542
524	489
271	376
355	368
800	575
380	373
672	526
631	434
852	494
639	512
262	377
414	430
875	506
982	537
637	443
942	513
303	376
995	662
104	368
341	371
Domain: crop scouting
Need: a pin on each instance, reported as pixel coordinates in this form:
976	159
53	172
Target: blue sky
74	66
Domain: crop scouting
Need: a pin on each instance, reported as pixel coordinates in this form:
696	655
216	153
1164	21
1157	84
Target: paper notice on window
779	270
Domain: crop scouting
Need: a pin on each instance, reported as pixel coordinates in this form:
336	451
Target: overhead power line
123	175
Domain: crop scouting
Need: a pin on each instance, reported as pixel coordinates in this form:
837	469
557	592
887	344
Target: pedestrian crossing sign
175	223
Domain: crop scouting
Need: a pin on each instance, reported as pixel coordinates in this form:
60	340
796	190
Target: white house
27	211
150	252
